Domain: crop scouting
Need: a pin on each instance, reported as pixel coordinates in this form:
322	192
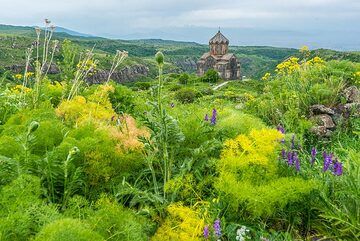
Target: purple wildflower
297	162
338	169
213	117
327	161
172	105
290	158
293	142
217	228
283	153
313	155
206	232
281	129
206	118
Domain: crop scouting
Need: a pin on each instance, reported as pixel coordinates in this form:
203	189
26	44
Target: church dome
219	38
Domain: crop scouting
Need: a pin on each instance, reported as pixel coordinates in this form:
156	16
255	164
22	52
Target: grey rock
325	121
321	109
126	74
352	94
187	64
352	109
321	131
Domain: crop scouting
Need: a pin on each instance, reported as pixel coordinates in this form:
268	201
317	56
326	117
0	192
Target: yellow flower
266	76
29	74
315	61
288	66
304	49
18	76
20	89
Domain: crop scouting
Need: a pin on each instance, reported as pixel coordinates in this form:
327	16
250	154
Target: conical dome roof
219	38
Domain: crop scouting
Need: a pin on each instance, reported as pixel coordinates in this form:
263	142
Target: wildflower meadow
172	157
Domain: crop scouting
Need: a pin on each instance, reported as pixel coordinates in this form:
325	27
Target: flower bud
74	151
159	57
34	125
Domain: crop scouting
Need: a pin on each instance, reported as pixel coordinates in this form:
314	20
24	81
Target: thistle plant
70	181
34	125
165	134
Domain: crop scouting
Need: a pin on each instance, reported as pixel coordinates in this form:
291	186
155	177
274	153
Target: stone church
226	64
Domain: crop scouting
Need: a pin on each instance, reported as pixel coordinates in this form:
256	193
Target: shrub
207	91
53	92
143	85
67	230
175	87
233	123
22	212
97	108
114	222
339	212
297	86
123	99
182	223
211	76
248	175
184	78
185	95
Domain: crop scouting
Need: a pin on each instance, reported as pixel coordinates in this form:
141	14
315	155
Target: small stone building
226	64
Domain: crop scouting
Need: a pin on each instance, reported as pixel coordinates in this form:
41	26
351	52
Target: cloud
123	17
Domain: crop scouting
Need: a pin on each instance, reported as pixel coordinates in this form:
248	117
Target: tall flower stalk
85	66
159	57
42	67
165	134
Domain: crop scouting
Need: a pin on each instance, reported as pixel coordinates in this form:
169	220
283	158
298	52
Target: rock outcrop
321	109
21	68
352	94
327	119
126	74
187	64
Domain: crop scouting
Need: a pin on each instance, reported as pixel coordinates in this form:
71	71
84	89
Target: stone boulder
352	94
321	109
325	121
321	131
352	109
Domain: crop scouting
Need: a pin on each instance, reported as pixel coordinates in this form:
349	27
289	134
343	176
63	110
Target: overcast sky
126	18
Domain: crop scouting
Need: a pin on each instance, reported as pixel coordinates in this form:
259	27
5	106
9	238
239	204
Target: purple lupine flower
217	228
206	232
297	162
206	118
327	161
293	141
213	117
290	158
281	129
172	105
338	169
313	155
283	153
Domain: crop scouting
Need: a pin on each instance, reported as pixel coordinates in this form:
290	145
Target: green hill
255	60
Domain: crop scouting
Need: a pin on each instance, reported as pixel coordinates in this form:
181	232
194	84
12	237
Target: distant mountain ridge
11	29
